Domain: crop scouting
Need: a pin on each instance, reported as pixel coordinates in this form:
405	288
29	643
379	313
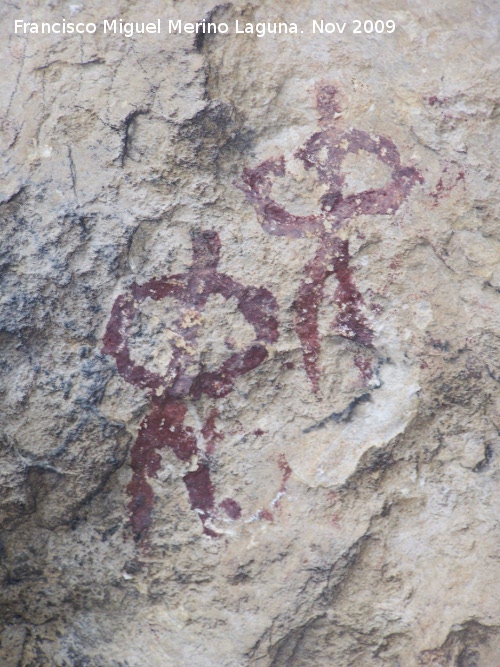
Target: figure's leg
306	306
350	322
162	427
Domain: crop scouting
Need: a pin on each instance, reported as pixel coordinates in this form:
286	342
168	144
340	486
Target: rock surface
250	339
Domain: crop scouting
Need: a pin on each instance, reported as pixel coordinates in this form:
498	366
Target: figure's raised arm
257	184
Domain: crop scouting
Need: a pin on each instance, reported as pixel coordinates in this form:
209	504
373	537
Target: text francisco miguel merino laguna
130	28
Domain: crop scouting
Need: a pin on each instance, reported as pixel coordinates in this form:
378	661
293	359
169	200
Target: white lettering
329	28
263	28
109	26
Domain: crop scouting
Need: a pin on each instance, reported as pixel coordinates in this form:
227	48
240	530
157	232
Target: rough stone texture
250	340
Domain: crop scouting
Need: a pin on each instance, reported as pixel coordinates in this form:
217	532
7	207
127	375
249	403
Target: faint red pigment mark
231	508
164	426
444	187
229	343
376	308
365	367
438	344
333	499
209	432
324	152
436	100
286	470
265	513
395	264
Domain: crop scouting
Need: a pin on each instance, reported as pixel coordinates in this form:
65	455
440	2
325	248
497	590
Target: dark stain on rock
164	425
484	463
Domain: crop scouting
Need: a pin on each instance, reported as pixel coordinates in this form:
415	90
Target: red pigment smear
220	383
141	505
324	153
258	432
438	192
326	102
435	100
201	494
351	322
365	367
283	466
209	432
163	426
286	470
266	514
231	508
306	306
331	258
441	191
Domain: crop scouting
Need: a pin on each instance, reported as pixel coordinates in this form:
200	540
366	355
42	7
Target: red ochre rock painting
324	152
164	425
445	185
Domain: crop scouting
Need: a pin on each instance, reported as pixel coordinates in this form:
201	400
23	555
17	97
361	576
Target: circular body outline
164	425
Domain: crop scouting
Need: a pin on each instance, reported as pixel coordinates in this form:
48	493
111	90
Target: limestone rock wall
250	338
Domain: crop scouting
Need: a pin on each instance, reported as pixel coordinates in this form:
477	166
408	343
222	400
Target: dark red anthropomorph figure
171	390
324	153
